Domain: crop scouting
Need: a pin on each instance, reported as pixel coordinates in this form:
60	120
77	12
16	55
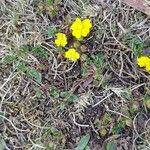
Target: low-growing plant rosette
144	62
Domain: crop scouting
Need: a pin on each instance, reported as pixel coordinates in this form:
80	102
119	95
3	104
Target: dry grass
66	104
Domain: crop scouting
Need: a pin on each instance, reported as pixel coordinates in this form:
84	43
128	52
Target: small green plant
39	52
19	59
52	138
2	143
9	59
49	2
119	126
23	52
134	107
69	97
83	143
146	101
134	43
33	73
38	93
52	31
54	92
107	119
111	145
21	67
96	62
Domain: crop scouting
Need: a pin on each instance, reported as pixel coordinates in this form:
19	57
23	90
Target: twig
103	99
80	125
115	112
16	129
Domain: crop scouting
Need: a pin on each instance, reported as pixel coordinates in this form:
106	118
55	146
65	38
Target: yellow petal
67	55
59	34
147	67
86	24
77	24
77	33
57	42
77	55
64	42
85	32
142	61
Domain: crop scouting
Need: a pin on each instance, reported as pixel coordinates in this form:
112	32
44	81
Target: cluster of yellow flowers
144	61
79	28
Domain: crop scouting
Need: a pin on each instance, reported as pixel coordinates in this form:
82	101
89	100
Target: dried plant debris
74	74
141	5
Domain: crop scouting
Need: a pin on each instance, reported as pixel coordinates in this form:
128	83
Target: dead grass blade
141	5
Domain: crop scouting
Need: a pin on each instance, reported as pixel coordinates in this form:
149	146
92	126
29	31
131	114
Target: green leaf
87	148
21	66
83	142
2	143
84	70
52	31
9	59
36	75
38	93
64	94
54	92
111	145
23	52
39	52
69	96
72	98
98	60
50	2
118	127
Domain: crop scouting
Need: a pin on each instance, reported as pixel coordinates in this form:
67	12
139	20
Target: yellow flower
81	28
61	39
72	55
142	61
147	68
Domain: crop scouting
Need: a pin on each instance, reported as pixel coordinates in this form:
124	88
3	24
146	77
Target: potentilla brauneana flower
81	28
